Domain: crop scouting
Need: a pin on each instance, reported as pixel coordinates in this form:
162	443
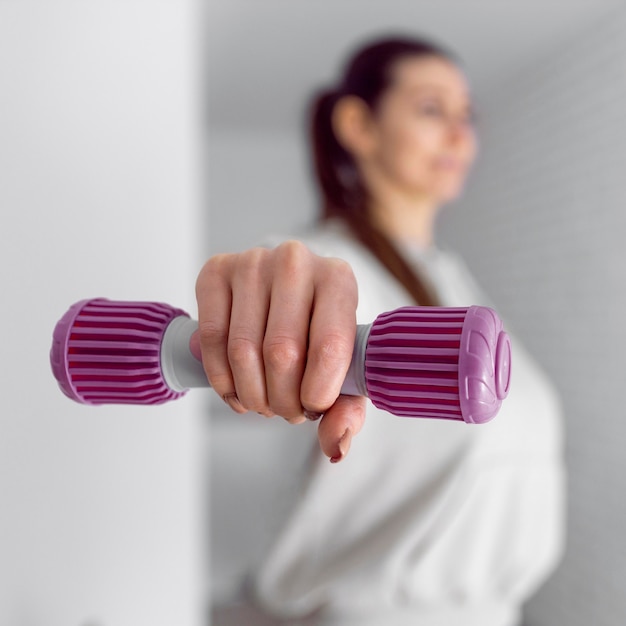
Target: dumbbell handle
182	370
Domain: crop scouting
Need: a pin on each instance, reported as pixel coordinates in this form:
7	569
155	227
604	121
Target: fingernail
313	415
232	401
344	446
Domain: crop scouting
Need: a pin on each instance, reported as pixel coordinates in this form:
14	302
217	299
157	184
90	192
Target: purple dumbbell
435	362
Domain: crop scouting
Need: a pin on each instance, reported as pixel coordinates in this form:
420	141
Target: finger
340	423
213	295
194	345
286	336
248	318
331	336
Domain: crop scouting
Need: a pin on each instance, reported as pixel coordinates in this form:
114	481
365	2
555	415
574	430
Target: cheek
410	152
409	157
404	142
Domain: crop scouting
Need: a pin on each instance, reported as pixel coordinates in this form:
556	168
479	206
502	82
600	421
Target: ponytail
344	196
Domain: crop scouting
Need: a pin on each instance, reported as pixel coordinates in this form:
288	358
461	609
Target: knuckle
334	350
283	354
341	274
242	351
216	266
212	333
220	382
291	256
340	268
318	400
288	409
251	270
292	248
251	261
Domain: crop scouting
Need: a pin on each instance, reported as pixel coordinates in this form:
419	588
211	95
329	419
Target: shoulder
328	238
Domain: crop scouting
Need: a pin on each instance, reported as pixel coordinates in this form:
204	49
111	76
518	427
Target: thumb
340	423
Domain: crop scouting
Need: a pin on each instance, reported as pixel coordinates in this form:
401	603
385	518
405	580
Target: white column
102	518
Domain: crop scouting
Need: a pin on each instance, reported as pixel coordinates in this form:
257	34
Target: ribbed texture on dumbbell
412	362
113	352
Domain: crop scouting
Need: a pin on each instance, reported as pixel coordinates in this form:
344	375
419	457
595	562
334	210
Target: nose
460	133
459	127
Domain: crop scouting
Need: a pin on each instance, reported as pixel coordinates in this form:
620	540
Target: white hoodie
426	522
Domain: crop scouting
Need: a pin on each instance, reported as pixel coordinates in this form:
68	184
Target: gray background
542	226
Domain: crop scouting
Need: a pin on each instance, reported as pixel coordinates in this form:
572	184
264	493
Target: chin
448	188
449	194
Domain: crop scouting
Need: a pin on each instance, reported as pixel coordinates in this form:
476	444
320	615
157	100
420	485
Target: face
423	135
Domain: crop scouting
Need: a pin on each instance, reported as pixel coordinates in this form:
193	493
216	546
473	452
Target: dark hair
367	75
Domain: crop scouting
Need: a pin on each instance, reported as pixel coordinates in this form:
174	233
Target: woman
427	522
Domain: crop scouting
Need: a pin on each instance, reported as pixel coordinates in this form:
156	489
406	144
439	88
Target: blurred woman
425	522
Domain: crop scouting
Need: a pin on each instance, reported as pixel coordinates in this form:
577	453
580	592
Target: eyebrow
431	87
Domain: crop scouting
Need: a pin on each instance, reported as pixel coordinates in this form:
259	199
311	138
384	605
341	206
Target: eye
430	108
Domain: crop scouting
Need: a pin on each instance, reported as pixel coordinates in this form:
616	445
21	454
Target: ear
353	126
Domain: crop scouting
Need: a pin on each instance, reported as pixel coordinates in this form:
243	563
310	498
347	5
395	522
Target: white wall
101	510
547	221
260	185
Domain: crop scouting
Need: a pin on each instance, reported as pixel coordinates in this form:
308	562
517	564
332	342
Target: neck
400	213
405	217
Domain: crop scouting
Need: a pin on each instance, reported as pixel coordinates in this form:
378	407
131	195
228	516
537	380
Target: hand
276	333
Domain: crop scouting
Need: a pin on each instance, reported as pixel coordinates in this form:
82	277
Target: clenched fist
276	334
